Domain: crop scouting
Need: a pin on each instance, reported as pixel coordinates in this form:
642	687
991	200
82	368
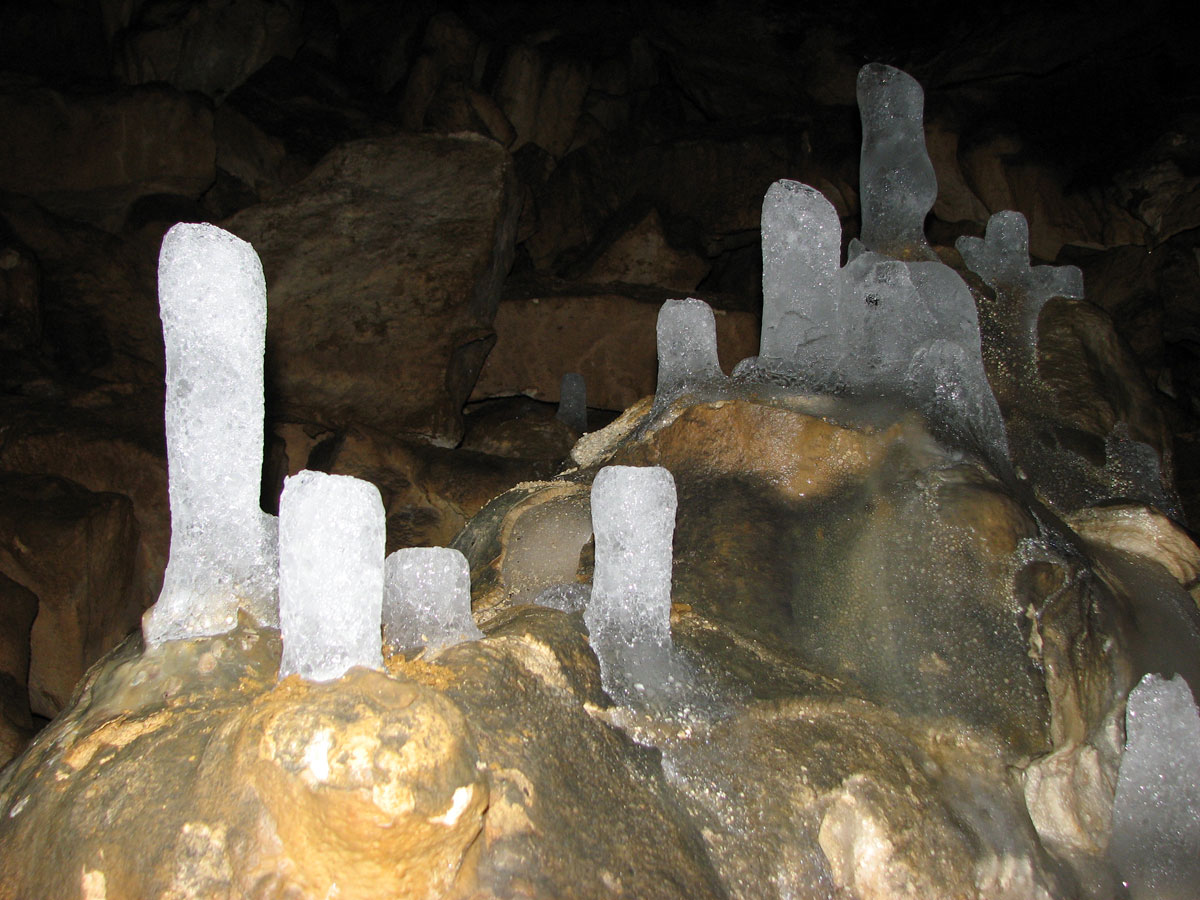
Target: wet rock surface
940	729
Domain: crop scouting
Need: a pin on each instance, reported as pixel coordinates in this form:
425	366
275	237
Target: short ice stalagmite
427	599
331	549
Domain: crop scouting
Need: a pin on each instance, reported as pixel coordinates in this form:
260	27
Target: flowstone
331	545
213	303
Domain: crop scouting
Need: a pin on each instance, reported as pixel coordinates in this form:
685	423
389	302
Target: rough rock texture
211	47
468	777
90	156
606	337
396	340
74	550
18	608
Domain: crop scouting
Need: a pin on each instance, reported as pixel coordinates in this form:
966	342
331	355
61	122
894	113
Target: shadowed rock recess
870	607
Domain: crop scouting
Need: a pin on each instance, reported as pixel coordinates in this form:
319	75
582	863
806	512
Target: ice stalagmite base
427	599
213	302
331	546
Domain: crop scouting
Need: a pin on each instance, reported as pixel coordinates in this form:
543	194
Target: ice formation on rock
427	599
801	247
633	518
897	184
687	347
893	323
1001	259
331	546
572	402
1156	811
213	304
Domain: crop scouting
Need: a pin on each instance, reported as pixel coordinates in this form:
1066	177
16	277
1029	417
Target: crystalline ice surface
427	599
633	518
897	184
1001	259
331	546
687	347
213	304
802	246
1156	811
572	402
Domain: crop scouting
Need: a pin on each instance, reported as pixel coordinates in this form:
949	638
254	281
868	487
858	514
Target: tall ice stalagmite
213	304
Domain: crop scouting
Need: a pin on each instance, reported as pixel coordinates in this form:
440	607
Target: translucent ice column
427	599
213	304
896	181
802	246
633	518
687	347
1001	259
331	545
1156	811
572	402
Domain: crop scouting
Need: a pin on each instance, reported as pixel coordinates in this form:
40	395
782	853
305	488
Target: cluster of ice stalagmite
317	571
331	546
893	322
427	599
1156	811
213	304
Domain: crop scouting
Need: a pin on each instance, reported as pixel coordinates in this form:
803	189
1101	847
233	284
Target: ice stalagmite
897	184
427	599
572	402
1001	259
331	546
213	304
1156	810
687	348
802	246
633	517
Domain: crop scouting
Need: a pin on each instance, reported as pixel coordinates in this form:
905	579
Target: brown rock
606	337
110	441
1144	532
395	340
187	772
211	47
18	608
642	255
90	156
1094	378
75	551
20	297
428	493
996	173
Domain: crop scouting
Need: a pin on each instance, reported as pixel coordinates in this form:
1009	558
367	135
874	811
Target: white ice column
897	185
331	546
687	347
633	518
1156	810
802	247
427	599
572	402
213	304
